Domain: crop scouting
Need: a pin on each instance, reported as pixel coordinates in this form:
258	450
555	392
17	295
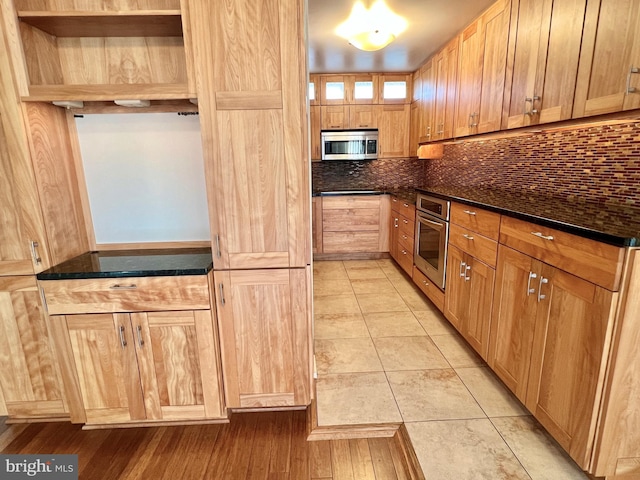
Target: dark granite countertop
133	263
406	194
613	224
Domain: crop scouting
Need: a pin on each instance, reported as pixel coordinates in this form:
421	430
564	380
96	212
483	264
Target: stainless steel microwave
349	144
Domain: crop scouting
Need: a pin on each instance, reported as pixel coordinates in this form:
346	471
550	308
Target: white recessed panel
145	177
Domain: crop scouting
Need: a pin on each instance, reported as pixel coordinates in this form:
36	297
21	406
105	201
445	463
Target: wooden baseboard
409	458
150	423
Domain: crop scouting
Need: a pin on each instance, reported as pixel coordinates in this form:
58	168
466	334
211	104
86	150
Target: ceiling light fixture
371	29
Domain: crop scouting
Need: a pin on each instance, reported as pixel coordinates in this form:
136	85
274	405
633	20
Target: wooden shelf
136	23
137	91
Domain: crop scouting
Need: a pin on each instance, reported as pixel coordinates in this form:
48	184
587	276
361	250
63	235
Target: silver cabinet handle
405	237
34	252
404	252
395	222
533	110
117	286
221	288
529	289
218	253
406	205
123	342
631	89
467	270
540	235
469	212
468	237
543	281
406	222
462	269
139	332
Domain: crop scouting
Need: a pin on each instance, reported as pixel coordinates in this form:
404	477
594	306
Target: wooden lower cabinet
264	337
427	287
468	298
549	341
29	377
145	366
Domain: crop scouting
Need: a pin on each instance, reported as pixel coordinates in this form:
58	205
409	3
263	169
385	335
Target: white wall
145	177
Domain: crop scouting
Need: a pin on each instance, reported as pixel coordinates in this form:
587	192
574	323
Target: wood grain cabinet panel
150	366
264	334
427	101
29	377
335	117
402	233
609	72
432	292
482	63
393	130
446	68
542	66
476	245
475	219
315	128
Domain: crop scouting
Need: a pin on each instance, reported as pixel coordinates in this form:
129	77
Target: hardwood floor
268	446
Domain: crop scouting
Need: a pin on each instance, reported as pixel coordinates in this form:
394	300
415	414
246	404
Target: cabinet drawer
594	261
350	201
476	245
347	242
406	226
129	294
405	259
403	207
406	241
351	219
432	292
476	219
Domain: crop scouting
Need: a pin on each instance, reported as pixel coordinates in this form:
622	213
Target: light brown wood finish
445	66
513	320
616	447
362	116
610	48
253	445
316	224
335	117
543	61
29	376
387	77
468	298
344	79
414	129
131	294
432	292
469	85
476	219
570	344
393	130
427	102
264	330
315	81
315	127
594	261
476	245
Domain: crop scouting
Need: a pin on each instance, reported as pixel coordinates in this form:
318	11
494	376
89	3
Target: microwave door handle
430	222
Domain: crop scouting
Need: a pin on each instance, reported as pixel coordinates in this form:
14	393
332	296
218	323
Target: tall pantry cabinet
251	84
41	225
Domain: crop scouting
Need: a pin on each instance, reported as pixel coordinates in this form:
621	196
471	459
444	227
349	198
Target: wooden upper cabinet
427	100
362	116
393	130
118	52
334	117
446	66
394	88
544	49
334	90
362	89
29	377
253	119
609	73
264	337
481	72
416	83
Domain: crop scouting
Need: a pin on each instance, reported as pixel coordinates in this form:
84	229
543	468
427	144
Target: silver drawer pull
529	289
34	252
117	286
543	281
406	205
468	237
540	235
123	342
140	340
469	212
222	299
406	222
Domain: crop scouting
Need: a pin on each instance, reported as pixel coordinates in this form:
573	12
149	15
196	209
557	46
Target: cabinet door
264	337
362	89
21	235
105	359
427	100
393	130
315	124
495	39
29	376
456	298
545	61
394	88
362	116
478	320
446	66
179	364
610	55
335	117
467	109
414	129
334	90
566	375
513	319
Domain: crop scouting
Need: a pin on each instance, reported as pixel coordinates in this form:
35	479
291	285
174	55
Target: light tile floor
385	354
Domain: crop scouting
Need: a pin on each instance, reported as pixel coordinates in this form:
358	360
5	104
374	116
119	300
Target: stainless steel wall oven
432	235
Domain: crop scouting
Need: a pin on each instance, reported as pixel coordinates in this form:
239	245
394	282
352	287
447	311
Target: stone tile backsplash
587	164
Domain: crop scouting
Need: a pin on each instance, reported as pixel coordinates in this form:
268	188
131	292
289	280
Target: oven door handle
431	222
